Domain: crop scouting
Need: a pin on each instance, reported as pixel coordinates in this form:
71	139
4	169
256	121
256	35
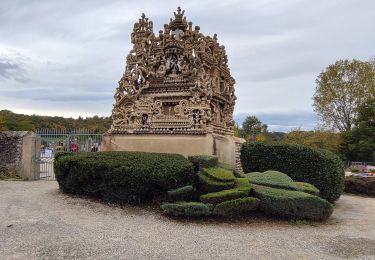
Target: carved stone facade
176	82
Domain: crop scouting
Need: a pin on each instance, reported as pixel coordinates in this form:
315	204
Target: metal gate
53	141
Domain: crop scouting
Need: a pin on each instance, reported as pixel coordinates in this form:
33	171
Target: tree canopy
341	89
252	126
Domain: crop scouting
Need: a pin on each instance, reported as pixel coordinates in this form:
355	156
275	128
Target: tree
341	89
251	127
359	143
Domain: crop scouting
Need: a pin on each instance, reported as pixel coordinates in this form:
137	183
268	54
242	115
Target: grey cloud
12	69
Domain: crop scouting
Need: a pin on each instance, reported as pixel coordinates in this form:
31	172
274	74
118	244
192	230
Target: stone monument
176	94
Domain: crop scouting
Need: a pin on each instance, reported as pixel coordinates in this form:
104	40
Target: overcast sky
65	57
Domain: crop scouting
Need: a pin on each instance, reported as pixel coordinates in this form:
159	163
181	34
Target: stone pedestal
223	146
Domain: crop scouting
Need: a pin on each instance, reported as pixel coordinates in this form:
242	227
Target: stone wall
18	153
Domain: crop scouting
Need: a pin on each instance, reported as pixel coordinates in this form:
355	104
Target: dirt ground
39	222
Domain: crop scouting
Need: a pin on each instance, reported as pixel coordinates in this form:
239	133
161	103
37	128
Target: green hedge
183	194
203	161
187	209
236	207
122	177
219	174
220	196
292	204
360	185
319	167
280	180
208	184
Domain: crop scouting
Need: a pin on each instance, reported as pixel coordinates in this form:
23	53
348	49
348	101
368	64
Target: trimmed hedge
292	204
220	196
203	161
319	167
209	184
280	180
187	209
122	177
360	185
183	194
219	174
236	207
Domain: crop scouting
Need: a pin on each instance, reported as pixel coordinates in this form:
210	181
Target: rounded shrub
122	177
360	185
203	161
236	207
319	167
187	209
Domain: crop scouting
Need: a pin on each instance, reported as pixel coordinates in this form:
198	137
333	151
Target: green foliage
203	161
209	184
187	209
306	187
220	196
354	170
359	143
251	127
10	121
360	185
242	184
318	139
219	174
183	194
122	177
341	89
318	167
236	207
292	204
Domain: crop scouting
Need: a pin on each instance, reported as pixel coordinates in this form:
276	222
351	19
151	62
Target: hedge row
319	167
122	177
360	185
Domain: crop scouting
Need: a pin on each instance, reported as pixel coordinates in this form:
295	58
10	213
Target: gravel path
39	222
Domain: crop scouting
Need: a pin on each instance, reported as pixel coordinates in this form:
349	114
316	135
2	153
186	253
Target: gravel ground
39	222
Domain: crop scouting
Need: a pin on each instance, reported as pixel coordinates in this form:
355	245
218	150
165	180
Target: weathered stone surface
18	151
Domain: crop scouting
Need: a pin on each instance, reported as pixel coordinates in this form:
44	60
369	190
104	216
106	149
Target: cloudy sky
65	57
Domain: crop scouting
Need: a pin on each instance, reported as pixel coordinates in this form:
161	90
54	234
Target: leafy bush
360	185
203	161
280	180
122	177
183	194
242	184
319	167
187	209
236	207
219	174
292	204
306	187
220	196
354	170
209	184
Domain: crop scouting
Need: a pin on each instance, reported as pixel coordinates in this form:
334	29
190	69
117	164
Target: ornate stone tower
176	94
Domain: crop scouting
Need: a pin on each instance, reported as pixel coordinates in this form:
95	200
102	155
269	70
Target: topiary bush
360	185
319	167
183	194
187	209
208	184
219	174
220	196
280	180
292	204
203	161
236	207
122	177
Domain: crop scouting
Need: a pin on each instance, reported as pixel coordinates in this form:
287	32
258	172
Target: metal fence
64	140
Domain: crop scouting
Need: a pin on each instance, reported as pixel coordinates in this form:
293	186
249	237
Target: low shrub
360	185
354	170
219	174
292	204
280	180
122	177
203	161
220	196
306	187
209	184
242	184
236	207
187	209
183	194
319	167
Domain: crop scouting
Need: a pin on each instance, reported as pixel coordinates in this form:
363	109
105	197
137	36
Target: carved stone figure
176	82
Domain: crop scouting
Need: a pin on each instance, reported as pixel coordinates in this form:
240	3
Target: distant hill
10	121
